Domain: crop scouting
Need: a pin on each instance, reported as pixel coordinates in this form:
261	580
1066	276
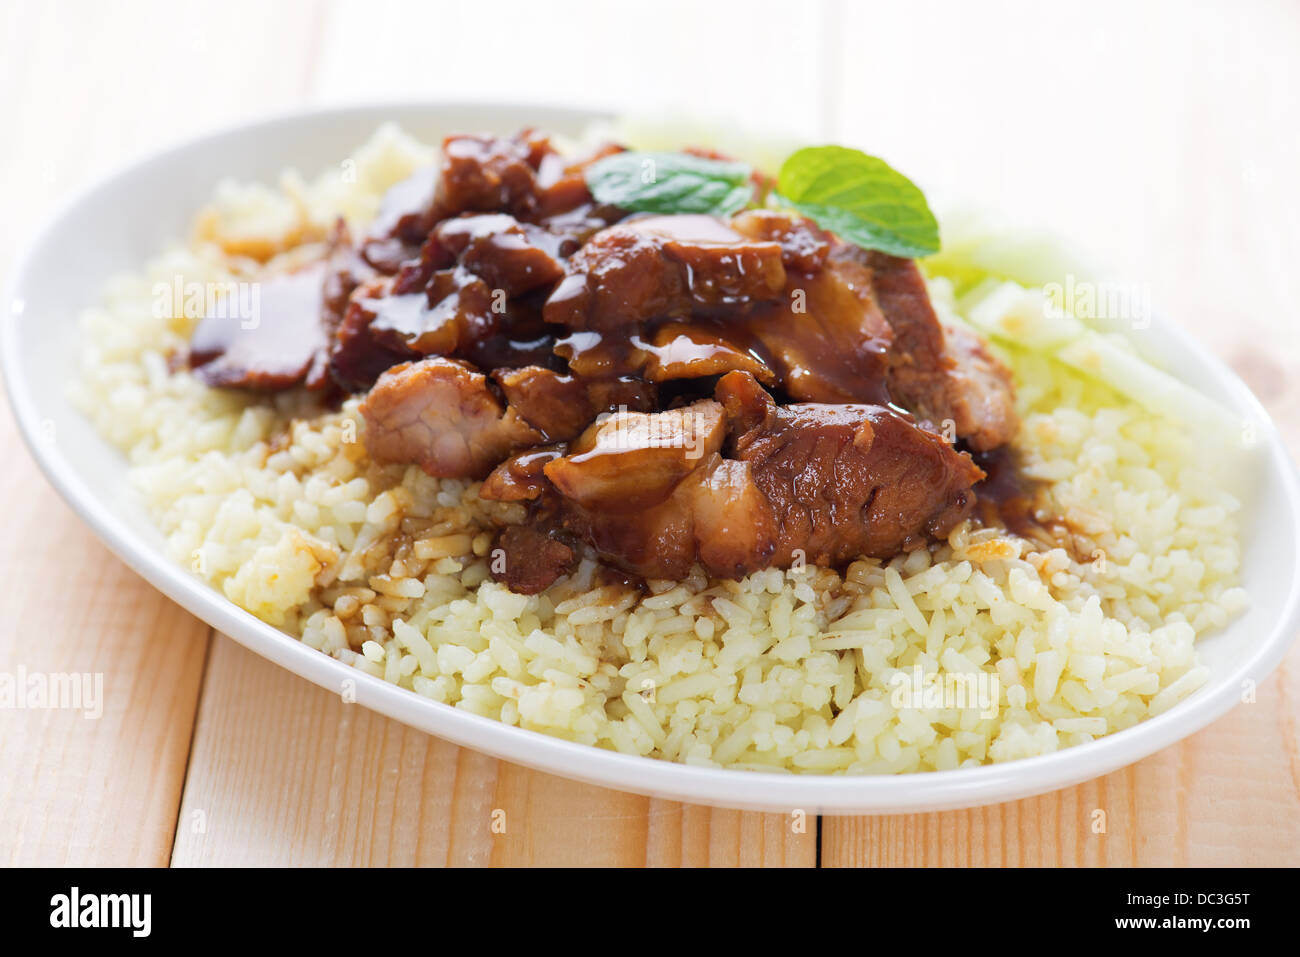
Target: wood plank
285	773
76	789
90	85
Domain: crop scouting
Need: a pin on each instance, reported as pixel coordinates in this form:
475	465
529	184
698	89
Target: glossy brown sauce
1008	498
276	346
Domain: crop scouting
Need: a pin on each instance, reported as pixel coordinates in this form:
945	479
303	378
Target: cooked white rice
1029	650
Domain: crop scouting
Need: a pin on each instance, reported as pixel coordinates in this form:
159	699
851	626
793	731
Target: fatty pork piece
663	267
633	460
818	483
939	372
442	415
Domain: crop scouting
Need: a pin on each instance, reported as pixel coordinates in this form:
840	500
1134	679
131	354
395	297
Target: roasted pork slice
508	255
442	415
940	373
356	356
693	350
266	336
561	405
804	244
846	480
453	311
486	173
806	483
553	403
562	181
632	460
825	339
664	267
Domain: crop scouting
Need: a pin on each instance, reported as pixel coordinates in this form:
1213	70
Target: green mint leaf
861	199
670	183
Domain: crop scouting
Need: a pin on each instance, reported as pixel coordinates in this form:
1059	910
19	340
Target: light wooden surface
1162	134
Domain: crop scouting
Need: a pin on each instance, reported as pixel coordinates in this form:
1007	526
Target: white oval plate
115	225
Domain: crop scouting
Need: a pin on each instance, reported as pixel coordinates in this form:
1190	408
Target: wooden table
1163	133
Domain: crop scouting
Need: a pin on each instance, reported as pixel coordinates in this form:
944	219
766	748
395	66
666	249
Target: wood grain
75	788
1159	132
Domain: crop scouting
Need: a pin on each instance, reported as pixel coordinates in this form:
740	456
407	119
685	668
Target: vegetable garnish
670	183
860	198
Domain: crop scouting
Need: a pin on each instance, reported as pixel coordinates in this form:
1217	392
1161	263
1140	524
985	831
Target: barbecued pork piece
442	415
980	396
693	350
486	173
562	182
664	267
804	244
826	338
356	356
716	515
632	460
272	341
453	311
522	477
562	406
508	255
816	483
940	373
522	175
529	559
383	325
846	480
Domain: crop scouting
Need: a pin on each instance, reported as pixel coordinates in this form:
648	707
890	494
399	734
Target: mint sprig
860	198
670	183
